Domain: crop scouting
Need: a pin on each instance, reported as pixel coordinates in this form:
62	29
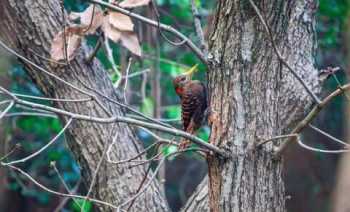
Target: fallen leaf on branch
72	36
130	41
111	32
120	21
116	27
90	18
133	3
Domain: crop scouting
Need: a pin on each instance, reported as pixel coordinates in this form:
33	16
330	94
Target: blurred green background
309	176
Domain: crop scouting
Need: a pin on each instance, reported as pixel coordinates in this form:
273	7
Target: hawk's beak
190	72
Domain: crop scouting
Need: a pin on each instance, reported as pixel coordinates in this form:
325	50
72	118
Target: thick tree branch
310	117
114	119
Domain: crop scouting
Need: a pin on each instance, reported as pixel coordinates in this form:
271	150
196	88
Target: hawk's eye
183	78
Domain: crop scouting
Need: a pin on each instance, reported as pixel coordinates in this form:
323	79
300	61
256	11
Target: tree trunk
256	98
30	25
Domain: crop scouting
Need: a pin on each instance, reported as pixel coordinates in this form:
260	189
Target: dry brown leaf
75	29
86	17
73	41
133	3
120	21
130	41
111	32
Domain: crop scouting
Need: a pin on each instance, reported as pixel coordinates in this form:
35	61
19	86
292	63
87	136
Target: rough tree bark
340	201
256	98
30	25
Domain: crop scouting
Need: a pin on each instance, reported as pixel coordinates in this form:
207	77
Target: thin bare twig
55	192
320	150
53	165
50	99
312	114
140	186
198	28
164	60
132	159
41	149
3	113
28	176
126	79
77	88
65	200
276	138
143	180
150	22
117	118
45	58
97	169
339	84
31	110
280	57
145	187
49	115
153	177
64	32
142	162
174	43
135	74
98	45
4	101
17	146
8	49
110	149
91	20
158	138
329	136
163	120
143	87
54	76
102	106
111	60
125	106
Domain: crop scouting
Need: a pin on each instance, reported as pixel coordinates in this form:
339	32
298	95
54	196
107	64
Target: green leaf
77	205
203	133
56	125
54	155
147	106
173	112
169	150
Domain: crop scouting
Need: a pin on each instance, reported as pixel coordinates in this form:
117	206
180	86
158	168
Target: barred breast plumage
193	104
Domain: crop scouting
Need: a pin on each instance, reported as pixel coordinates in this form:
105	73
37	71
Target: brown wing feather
193	103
